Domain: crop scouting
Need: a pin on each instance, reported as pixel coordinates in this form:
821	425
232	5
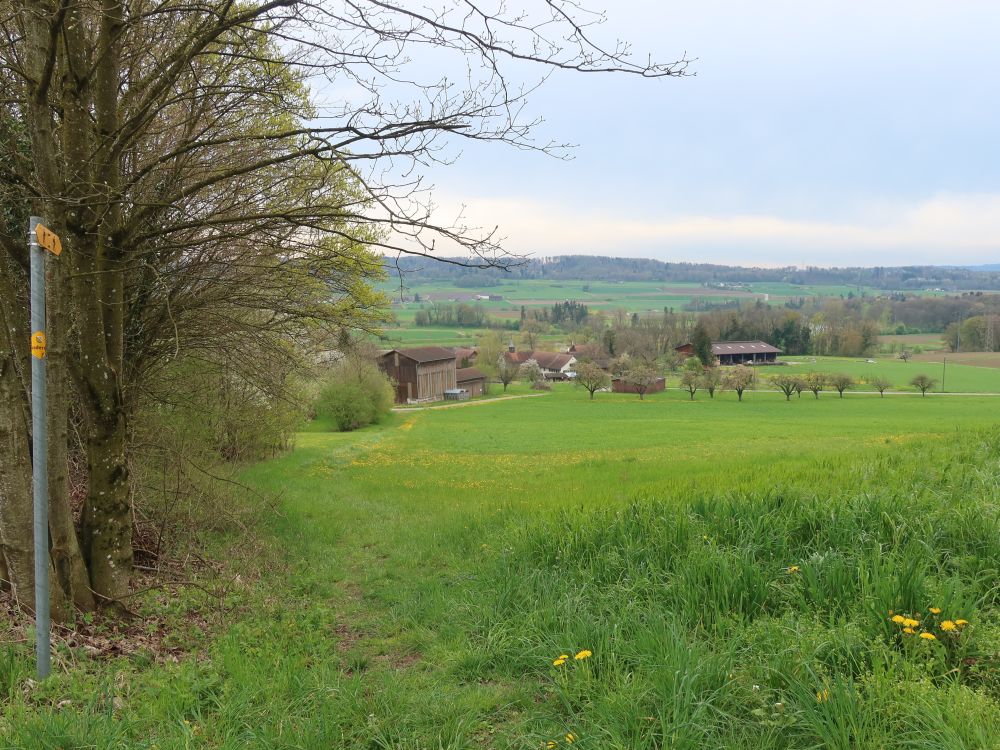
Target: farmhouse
621	385
738	352
554	365
472	380
420	374
465	357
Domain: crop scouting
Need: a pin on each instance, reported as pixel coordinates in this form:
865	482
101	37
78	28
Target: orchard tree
531	372
881	384
841	382
800	385
211	206
905	354
739	379
924	383
506	370
591	377
642	377
710	380
691	381
815	382
786	384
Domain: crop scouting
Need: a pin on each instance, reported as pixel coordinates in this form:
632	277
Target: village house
737	352
554	365
465	356
420	374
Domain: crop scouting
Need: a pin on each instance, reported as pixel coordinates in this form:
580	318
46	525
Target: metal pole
39	454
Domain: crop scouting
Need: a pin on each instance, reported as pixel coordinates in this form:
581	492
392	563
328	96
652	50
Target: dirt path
405	409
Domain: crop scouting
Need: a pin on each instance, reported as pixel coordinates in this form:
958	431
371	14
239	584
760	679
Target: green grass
957	378
723	561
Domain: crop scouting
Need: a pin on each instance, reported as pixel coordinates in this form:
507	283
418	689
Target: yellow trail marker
38	344
48	239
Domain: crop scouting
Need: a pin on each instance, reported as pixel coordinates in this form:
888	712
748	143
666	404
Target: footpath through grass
730	567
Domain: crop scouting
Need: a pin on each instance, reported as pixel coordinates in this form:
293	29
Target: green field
731	567
956	378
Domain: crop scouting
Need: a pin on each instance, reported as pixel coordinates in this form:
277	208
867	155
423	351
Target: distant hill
601	268
992	267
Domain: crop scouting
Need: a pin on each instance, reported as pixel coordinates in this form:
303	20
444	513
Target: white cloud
946	229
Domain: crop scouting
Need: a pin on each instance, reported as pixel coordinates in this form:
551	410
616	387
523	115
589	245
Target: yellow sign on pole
48	239
38	345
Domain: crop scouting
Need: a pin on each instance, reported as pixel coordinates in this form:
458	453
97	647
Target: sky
813	133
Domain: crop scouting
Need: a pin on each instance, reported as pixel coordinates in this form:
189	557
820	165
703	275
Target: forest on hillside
602	268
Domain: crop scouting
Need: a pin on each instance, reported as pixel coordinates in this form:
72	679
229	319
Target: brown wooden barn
421	374
471	380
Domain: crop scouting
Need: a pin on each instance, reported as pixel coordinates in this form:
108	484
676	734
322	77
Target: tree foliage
738	379
924	383
591	377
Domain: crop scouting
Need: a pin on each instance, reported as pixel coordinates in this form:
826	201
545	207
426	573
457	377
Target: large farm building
738	352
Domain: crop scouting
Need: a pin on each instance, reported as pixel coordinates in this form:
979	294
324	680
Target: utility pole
40	240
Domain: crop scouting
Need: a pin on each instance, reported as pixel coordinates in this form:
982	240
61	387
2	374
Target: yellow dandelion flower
948	625
961	623
558	662
822	695
551	744
909	631
793	568
899	619
563	656
934	610
570	738
928	636
910	623
585	654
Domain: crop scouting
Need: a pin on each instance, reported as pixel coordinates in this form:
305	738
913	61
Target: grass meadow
727	574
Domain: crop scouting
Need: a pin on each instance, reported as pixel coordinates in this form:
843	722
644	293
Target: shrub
356	394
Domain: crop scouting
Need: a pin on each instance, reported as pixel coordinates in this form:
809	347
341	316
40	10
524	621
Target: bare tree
786	384
905	354
642	377
881	384
710	380
175	148
815	382
841	382
507	370
924	383
739	379
591	377
691	382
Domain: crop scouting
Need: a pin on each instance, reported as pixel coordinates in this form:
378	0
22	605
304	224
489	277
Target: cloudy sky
813	133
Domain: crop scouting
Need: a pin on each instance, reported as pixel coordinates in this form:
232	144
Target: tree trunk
67	559
106	527
16	519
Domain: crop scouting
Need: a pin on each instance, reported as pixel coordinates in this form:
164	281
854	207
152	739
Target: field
957	378
725	571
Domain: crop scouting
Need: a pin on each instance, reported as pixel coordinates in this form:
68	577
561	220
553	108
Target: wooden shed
420	374
471	380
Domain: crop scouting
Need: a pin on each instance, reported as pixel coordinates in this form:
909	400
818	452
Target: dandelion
948	625
570	738
934	610
961	623
585	654
559	662
899	619
551	744
909	631
910	623
793	569
928	636
822	696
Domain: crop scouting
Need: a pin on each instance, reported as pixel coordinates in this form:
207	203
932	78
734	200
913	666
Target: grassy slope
426	572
